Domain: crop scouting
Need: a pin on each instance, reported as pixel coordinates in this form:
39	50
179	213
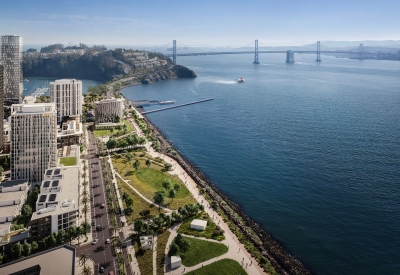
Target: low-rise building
198	224
12	196
70	131
108	110
176	261
57	206
146	242
59	260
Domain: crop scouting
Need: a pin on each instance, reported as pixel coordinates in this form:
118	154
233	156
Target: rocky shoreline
176	71
280	259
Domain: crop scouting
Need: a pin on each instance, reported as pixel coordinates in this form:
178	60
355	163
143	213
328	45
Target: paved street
101	252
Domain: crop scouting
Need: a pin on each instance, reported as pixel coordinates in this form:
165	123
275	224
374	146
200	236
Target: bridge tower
256	52
318	52
174	52
361	51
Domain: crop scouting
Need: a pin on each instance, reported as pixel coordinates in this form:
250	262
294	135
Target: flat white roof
69	184
175	259
198	222
60	260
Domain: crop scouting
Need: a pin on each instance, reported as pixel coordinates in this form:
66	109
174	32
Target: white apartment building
11	56
107	110
67	95
33	140
57	206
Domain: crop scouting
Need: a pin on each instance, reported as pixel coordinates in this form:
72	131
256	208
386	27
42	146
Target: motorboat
240	80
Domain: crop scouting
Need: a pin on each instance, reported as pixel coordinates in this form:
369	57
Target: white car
95	241
107	241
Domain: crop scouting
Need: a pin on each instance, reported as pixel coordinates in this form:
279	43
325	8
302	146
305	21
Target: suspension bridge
289	53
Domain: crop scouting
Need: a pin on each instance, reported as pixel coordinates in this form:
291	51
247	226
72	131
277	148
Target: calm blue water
43	82
311	151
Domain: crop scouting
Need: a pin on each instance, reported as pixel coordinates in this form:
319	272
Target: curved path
140	194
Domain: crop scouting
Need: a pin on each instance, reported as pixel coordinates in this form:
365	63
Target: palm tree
85	210
87	270
83	258
116	241
121	261
78	232
114	225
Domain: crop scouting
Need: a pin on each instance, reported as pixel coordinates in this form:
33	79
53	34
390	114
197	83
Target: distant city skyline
200	23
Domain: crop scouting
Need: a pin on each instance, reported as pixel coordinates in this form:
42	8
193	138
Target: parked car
107	241
93	223
101	269
95	241
102	205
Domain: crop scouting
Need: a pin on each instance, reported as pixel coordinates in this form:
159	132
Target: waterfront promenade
236	250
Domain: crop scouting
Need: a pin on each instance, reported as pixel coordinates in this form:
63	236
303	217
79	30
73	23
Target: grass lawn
145	259
208	233
149	180
107	132
201	251
162	239
68	161
221	267
139	204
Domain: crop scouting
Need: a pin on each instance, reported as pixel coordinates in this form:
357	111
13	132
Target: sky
199	23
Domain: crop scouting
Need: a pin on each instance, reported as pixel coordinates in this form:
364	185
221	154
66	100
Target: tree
26	210
116	241
83	258
61	235
148	163
86	227
87	270
182	243
129	210
34	246
85	210
172	194
112	142
114	225
173	249
138	226
42	244
51	241
168	166
159	197
129	201
136	164
166	184
27	249
177	187
129	156
71	233
16	250
1	171
117	119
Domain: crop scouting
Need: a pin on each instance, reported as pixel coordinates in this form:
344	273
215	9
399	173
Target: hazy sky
201	22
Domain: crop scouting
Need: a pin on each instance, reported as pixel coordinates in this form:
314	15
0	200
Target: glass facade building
11	56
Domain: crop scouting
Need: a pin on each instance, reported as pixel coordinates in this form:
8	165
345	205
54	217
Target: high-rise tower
11	56
1	106
67	95
33	140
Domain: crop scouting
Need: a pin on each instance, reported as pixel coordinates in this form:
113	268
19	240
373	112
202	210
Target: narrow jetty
181	105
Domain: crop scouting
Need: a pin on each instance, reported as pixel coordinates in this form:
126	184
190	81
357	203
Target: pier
181	105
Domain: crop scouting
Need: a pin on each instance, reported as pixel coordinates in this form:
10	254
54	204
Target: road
101	252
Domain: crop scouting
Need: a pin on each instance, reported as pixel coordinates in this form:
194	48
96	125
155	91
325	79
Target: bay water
311	151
